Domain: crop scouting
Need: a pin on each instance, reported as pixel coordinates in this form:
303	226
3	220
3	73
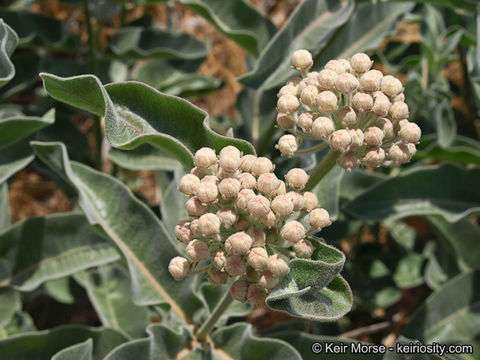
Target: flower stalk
322	169
219	310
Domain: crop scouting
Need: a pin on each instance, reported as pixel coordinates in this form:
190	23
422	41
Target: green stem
322	169
214	316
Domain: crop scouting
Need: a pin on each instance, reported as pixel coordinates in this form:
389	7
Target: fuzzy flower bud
188	184
281	190
197	250
303	249
182	232
326	101
288	104
235	265
258	236
209	178
346	64
323	127
282	205
381	104
386	126
247	162
310	201
293	231
278	264
239	290
288	145
257	258
288	89
305	121
361	63
348	160
285	121
258	206
347	116
244	196
399	97
399	153
374	156
319	218
261	166
230	160
391	86
195	207
341	140
229	188
269	220
373	136
297	178
267	280
362	102
297	200
308	95
346	83
179	267
399	110
256	294
194	229
218	259
357	137
412	149
327	79
302	60
336	66
247	181
371	80
209	225
238	244
268	183
410	133
205	158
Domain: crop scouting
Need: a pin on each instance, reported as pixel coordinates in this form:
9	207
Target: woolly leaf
9	304
144	157
82	351
8	42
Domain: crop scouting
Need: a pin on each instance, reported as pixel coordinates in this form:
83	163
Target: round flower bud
232	150
288	89
242	224
235	265
258	206
327	79
336	66
348	160
218	259
288	104
182	232
319	218
257	258
292	231
207	192
278	264
323	127
230	161
267	280
179	267
412	149
297	200
326	101
209	225
288	145
197	250
188	184
308	95
386	126
261	166
247	162
216	277
282	205
399	153
194	229
209	178
269	220
310	201
362	102
361	63
303	249
340	140
238	244
357	137
381	104
346	64
247	181
371	80
195	207
374	156
391	86
399	124
410	133
399	110
294	81
244	196
285	121
256	294
281	190
346	83
267	183
297	178
347	116
227	217
205	158
229	188
305	121
399	97
302	60
239	290
258	236
373	136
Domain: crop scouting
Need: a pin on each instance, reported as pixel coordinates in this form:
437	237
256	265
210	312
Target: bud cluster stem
322	169
219	310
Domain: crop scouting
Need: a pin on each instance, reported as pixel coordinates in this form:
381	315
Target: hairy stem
222	306
322	169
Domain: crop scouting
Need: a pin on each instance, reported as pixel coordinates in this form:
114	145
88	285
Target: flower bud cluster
351	107
244	221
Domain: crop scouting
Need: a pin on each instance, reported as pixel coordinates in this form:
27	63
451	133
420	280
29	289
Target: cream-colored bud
297	178
247	181
188	184
399	153
347	83
371	80
361	63
269	220
268	183
209	178
319	218
348	160
235	265
341	140
179	267
238	244
242	224
336	66
399	110
281	190
258	206
305	121
386	126
232	150
327	79
288	89
302	60
399	97
288	104
195	207
326	101
357	137
362	102
381	104
197	250
347	116
346	64
257	258
412	149
216	277
374	136
293	231
294	81
267	280
410	133
374	156
256	294
308	95
229	188
247	162
278	264
282	205
258	236
182	232
261	166
303	249
218	259
285	121
297	200
323	127
229	161
207	192
391	86
194	229
227	217
288	145
310	201
397	125
244	196
205	158
239	290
